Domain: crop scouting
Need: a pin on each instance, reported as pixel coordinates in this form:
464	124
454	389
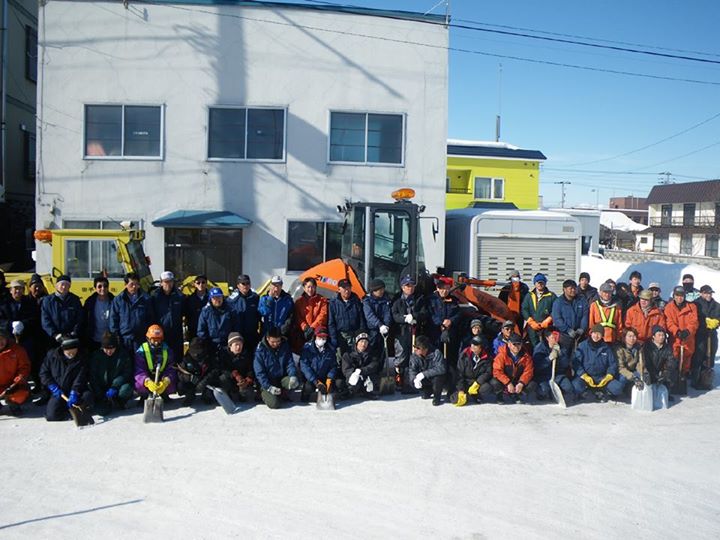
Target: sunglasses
201	283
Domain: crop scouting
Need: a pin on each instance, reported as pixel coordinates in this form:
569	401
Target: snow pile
618	221
395	468
667	274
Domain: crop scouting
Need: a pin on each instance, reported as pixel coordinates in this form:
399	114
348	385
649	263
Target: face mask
515	279
320	343
688	286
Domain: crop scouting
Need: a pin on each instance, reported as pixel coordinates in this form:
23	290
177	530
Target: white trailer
489	244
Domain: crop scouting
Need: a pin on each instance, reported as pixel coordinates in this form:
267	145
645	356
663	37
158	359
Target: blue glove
55	390
73	399
111	393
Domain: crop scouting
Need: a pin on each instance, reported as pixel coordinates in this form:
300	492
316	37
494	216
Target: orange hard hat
155	331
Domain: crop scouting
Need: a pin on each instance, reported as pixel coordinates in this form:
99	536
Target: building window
660	244
711	245
366	138
31	48
717	214
489	188
89	258
686	244
29	151
123	131
243	133
311	242
95	224
689	215
666	215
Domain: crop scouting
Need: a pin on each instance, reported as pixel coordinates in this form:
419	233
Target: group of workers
595	344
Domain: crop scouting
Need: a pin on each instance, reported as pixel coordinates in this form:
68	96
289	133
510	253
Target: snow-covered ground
395	468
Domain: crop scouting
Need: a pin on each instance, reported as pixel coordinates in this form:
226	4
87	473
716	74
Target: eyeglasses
101	286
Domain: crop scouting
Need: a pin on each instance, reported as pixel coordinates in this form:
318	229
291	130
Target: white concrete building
231	132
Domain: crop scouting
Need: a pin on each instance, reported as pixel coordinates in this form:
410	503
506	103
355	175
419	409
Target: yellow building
492	172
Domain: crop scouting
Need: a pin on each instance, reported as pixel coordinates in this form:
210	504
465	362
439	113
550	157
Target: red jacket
682	318
635	318
309	311
506	371
14	367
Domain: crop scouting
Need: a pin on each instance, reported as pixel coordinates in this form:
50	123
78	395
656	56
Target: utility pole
667	175
497	118
563	183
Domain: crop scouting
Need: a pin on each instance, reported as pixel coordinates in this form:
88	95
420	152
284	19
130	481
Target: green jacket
109	371
538	311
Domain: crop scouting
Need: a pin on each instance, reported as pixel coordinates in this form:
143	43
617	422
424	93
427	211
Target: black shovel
80	415
387	381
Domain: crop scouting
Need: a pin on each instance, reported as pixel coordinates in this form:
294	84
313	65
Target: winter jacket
682	317
366	362
193	307
643	323
513	295
310	312
242	363
14	365
414	305
345	318
168	310
89	315
570	314
318	365
507	369
271	365
595	359
377	313
706	310
130	318
471	368
590	293
245	308
107	372
145	369
68	373
276	312
215	324
24	311
441	309
431	365
497	343
628	360
542	365
61	315
538	309
610	317
660	364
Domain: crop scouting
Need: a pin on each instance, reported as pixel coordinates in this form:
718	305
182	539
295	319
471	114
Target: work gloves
111	393
309	333
55	391
163	385
575	334
17	327
474	389
409	319
683	334
461	399
417	382
712	324
321	387
384	330
292	383
354	377
274	390
534	325
73	399
639	384
369	386
555	352
58	338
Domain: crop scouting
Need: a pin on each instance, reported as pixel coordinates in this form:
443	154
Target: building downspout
3	99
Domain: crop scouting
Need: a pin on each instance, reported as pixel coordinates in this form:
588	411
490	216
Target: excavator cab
380	241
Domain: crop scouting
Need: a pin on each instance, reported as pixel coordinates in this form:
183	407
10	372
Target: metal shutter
498	256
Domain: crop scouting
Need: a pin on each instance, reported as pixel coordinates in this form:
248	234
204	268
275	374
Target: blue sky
580	118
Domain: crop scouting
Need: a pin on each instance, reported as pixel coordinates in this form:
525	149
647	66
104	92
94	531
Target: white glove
554	353
409	319
17	327
418	380
293	383
369	386
384	330
274	390
354	378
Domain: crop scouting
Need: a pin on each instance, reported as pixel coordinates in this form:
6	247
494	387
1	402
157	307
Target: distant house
636	208
684	219
492	172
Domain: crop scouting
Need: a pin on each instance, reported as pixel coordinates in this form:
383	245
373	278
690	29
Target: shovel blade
153	412
325	402
387	385
642	400
224	400
557	394
660	396
81	417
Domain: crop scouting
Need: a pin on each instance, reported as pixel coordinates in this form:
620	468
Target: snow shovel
641	400
660	396
225	401
387	381
153	411
325	402
555	389
80	415
681	386
706	377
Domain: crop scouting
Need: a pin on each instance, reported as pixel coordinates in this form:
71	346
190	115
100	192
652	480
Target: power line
681	156
440	47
